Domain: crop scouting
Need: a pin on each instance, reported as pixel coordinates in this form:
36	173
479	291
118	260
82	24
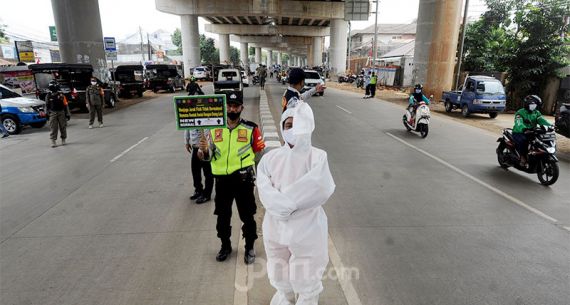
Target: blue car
18	111
480	94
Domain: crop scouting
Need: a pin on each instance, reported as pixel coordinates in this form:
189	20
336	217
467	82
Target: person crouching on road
58	112
292	95
192	140
231	152
294	181
94	102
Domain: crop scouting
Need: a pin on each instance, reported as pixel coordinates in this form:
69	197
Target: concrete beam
272	39
261	8
285	30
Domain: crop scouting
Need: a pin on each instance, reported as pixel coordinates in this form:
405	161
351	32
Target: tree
234	56
208	52
177	39
3	37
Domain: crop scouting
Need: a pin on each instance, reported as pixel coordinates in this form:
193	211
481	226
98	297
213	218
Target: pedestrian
193	88
3	130
292	95
294	181
367	84
192	141
373	82
58	112
94	101
231	152
262	76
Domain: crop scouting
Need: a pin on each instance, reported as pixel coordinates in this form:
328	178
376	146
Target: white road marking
482	183
344	109
344	281
128	149
240	295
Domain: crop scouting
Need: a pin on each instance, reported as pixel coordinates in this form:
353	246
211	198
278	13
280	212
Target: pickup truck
229	82
480	94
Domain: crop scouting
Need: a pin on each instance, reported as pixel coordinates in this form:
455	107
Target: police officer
58	111
231	151
373	82
94	101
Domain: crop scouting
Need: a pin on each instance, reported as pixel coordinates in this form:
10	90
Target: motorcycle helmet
53	86
532	99
418	88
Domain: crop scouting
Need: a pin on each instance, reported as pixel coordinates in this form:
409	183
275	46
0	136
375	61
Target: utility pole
148	46
349	43
142	49
375	46
464	29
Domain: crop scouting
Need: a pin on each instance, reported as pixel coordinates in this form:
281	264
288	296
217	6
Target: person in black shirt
193	88
58	111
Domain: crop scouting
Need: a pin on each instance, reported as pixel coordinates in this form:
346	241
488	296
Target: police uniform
56	105
94	98
232	157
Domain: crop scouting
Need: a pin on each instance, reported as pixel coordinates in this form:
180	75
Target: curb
268	126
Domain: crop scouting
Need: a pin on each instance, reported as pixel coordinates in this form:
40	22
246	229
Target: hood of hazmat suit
293	184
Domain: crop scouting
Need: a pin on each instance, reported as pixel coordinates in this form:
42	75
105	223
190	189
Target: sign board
25	51
111	55
110	44
55	55
200	111
356	10
8	52
52	33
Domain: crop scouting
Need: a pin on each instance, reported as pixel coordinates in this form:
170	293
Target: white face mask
418	91
289	137
93	83
532	107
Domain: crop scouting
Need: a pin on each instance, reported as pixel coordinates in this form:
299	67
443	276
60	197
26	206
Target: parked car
202	73
229	82
312	79
18	111
244	79
480	94
73	80
165	77
130	80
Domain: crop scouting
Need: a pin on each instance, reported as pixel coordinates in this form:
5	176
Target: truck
228	81
130	80
18	111
479	94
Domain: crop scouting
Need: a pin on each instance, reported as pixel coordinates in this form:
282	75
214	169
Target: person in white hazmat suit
294	181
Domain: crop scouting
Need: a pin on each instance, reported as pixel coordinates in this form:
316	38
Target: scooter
541	157
421	121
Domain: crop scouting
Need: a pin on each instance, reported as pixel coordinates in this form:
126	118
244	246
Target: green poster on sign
200	111
52	33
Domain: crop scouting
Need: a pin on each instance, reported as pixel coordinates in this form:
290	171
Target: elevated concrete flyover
284	24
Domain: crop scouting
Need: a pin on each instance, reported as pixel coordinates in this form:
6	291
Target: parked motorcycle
255	80
541	157
562	122
347	78
419	123
360	81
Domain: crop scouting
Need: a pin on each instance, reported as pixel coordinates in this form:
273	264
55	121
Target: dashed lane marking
344	109
128	149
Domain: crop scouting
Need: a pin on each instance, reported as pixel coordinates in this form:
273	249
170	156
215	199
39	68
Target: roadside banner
25	51
200	111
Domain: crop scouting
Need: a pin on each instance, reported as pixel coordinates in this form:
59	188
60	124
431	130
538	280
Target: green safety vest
233	150
373	80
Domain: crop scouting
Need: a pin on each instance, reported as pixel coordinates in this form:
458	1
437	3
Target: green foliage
3	37
208	52
521	37
234	56
177	39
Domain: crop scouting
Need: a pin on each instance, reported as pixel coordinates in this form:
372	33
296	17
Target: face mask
93	83
233	115
532	107
289	137
418	91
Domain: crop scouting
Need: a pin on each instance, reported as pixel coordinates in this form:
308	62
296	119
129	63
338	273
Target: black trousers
367	90
239	187
197	168
372	90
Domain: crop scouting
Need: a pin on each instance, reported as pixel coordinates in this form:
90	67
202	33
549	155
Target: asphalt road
107	220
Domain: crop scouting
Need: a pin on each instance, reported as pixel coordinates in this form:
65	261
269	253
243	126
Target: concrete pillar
290	60
224	48
318	51
190	43
443	49
258	56
424	30
279	60
79	33
269	57
337	50
243	52
310	60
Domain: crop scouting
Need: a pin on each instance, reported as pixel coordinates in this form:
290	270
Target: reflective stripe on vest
233	149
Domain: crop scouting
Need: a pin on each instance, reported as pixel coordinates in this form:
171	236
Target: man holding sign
231	151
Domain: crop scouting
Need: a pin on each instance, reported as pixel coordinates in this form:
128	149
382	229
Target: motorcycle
360	81
284	80
347	78
541	154
255	80
421	121
562	121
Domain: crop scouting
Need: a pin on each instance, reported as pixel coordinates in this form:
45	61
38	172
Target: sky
34	20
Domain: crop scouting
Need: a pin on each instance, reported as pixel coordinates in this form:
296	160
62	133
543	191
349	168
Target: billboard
25	51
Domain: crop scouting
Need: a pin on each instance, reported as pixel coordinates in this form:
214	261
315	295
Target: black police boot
202	199
249	257
196	195
225	251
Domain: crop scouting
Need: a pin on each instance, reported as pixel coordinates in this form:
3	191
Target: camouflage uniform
94	98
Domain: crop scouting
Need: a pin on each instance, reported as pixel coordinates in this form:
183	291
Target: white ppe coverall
293	184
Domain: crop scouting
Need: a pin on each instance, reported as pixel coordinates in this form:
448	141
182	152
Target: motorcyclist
193	88
415	98
526	119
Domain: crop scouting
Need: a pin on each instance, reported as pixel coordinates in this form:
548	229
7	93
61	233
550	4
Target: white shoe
90	126
100	125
